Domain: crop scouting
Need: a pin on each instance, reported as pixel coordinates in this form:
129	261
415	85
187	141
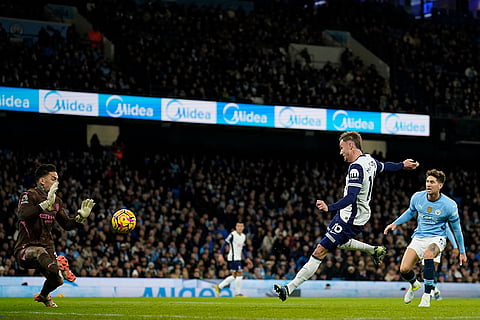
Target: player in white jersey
236	243
353	210
434	211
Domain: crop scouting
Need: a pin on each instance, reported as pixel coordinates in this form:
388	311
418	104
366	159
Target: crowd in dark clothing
186	204
221	54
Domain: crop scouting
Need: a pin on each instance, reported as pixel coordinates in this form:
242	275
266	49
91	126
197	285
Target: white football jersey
361	173
236	242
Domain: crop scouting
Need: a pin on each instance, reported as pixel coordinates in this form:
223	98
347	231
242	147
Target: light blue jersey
433	217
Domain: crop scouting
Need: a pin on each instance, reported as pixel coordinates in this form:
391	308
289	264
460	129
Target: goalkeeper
38	209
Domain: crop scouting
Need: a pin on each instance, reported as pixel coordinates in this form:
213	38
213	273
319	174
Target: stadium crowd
187	203
223	54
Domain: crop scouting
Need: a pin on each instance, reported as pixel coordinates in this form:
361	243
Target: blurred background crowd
223	54
186	201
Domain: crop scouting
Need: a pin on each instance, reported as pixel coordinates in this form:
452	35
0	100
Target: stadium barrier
153	287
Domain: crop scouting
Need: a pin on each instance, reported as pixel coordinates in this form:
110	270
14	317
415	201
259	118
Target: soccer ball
124	221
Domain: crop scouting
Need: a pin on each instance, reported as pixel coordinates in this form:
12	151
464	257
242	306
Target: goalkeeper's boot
62	263
411	291
436	294
425	300
47	301
216	288
379	254
282	291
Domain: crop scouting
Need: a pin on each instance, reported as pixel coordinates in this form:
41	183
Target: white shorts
421	244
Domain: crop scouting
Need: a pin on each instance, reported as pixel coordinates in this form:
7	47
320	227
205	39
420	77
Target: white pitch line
109	315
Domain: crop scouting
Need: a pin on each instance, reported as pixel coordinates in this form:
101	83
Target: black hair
44	169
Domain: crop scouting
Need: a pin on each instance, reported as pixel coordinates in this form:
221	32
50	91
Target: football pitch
238	308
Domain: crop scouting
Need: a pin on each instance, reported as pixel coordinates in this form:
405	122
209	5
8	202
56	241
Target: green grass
238	308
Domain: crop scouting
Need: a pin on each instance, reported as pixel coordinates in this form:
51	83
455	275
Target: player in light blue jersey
434	212
352	211
236	242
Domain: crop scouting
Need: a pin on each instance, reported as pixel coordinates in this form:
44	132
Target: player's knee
34	253
404	269
428	255
320	252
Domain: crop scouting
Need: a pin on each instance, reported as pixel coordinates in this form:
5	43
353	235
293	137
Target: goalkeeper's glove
84	210
50	197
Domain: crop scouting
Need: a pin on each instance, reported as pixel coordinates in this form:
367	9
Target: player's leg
338	232
309	268
409	260
432	251
226	281
40	259
436	292
238	283
233	267
64	268
378	252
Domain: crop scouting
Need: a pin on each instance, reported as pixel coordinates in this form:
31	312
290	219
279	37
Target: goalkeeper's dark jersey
35	224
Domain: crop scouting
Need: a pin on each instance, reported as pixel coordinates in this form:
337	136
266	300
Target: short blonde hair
353	136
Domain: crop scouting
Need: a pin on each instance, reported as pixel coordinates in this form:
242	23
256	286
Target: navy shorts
339	232
235	266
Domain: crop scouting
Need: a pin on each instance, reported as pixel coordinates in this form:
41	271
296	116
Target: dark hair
44	169
353	136
438	174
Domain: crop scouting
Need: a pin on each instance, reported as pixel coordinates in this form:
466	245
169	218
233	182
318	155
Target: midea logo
342	121
55	102
116	107
394	124
288	118
232	114
176	111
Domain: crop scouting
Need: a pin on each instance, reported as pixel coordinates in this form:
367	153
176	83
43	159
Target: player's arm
246	258
221	259
451	238
31	206
408	164
70	223
454	220
28	206
406	216
354	184
348	199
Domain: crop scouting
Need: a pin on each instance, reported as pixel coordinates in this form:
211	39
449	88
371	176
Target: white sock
226	281
307	271
353	244
238	285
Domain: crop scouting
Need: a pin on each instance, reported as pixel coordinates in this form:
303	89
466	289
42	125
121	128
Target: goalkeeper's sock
307	271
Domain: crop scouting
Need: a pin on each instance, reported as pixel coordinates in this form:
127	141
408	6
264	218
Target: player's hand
249	264
321	205
221	260
84	210
50	197
410	164
455	252
463	259
391	226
